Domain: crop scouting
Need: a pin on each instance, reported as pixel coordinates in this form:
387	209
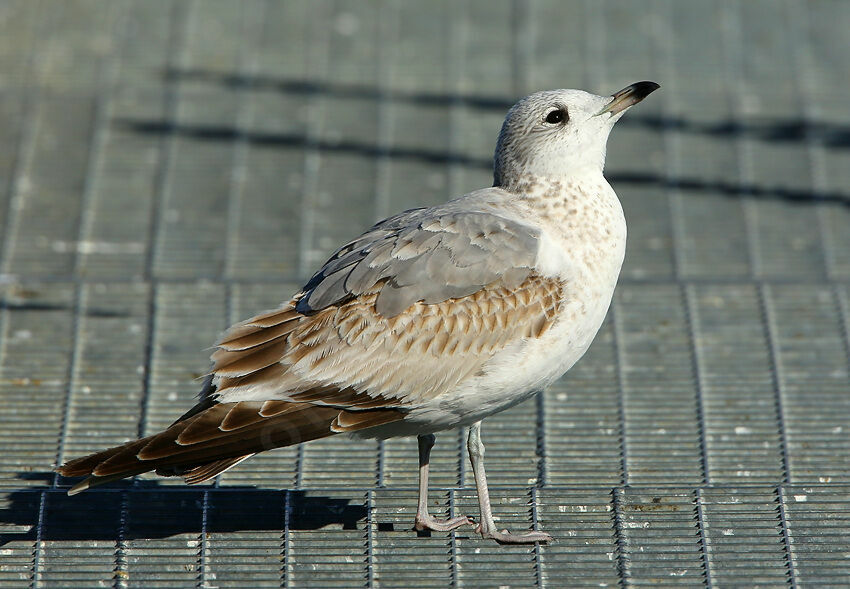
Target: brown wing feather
240	363
350	355
351	421
258	337
205	472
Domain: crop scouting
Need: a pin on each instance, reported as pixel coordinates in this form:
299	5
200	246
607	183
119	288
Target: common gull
434	318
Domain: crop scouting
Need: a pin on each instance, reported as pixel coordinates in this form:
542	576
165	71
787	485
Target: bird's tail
209	442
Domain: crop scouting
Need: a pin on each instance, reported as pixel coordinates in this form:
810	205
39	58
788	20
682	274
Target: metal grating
168	168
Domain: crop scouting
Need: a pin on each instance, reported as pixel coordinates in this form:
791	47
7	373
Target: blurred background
170	167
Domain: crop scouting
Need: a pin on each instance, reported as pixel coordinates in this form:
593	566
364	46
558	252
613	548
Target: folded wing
395	318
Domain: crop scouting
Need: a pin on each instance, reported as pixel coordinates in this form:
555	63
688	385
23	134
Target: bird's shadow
148	510
15	305
831	135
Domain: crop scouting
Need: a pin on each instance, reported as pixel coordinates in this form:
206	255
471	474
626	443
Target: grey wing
427	255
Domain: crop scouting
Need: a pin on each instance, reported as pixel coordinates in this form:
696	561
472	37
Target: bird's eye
557	116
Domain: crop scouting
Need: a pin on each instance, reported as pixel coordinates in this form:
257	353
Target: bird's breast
514	374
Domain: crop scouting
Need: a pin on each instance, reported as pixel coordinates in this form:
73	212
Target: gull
433	319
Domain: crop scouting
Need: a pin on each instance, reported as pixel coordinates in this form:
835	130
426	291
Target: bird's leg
424	520
487	527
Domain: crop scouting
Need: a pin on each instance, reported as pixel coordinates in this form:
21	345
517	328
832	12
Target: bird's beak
629	96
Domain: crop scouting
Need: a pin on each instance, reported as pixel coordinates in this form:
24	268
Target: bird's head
555	134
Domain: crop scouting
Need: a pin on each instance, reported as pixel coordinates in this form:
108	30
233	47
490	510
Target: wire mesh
170	168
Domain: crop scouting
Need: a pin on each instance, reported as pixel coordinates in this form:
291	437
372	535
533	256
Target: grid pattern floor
170	167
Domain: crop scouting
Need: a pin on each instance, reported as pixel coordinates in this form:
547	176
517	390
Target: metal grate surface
167	168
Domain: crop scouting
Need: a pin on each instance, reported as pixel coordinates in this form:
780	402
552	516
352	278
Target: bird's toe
427	522
506	537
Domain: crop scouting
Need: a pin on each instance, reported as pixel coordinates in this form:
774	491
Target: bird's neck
557	190
513	167
527	182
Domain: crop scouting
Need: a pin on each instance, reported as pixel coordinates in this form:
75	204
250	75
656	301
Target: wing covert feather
428	255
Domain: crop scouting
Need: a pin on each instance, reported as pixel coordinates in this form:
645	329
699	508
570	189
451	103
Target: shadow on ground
11	305
831	135
299	141
151	511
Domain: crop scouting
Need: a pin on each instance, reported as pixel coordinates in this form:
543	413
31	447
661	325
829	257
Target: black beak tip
629	96
641	90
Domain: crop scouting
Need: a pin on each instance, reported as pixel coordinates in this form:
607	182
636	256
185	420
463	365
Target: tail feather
205	472
206	443
92	481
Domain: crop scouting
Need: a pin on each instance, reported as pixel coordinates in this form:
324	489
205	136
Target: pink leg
424	521
487	527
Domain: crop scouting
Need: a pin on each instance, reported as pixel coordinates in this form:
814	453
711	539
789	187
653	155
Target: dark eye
557	116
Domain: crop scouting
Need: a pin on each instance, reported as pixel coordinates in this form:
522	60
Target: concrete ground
168	167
